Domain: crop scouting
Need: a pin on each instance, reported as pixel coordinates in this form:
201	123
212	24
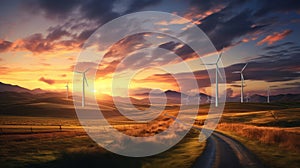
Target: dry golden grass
285	138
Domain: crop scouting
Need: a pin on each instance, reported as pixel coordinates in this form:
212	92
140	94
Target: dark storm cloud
100	10
53	8
137	5
182	50
267	7
85	34
239	18
185	52
205	5
56	33
62	9
224	33
225	27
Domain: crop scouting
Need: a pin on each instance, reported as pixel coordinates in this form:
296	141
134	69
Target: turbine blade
84	78
242	77
219	57
236	72
244	67
219	73
208	64
86	70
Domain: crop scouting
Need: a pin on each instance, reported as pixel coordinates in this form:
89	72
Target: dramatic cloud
229	24
99	10
285	6
54	41
4	45
278	63
225	33
275	68
102	11
48	81
36	43
264	71
137	5
276	36
52	8
57	33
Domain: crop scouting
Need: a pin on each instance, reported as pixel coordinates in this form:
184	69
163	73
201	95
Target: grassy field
49	135
271	131
76	149
272	155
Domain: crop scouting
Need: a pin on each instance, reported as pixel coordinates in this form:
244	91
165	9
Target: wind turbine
207	99
247	97
268	94
84	81
67	86
242	80
217	83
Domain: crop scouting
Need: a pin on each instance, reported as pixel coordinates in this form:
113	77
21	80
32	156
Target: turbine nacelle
84	76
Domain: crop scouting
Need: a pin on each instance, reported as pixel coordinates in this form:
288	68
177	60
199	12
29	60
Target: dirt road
224	152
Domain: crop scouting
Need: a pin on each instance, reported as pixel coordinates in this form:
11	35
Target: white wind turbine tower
217	83
268	94
67	86
242	80
84	81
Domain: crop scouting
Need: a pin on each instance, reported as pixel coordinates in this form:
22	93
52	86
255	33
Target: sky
40	41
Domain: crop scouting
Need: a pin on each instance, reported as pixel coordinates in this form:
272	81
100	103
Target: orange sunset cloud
276	36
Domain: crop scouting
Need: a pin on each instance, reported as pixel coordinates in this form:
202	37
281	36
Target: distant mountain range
15	88
173	97
256	98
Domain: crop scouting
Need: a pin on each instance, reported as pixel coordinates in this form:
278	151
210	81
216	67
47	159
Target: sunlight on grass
271	155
